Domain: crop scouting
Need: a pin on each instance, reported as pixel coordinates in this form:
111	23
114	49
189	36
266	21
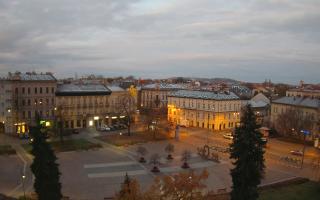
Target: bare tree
291	122
127	106
155	161
169	149
142	151
59	122
186	155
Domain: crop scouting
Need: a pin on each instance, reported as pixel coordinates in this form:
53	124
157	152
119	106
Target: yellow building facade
204	109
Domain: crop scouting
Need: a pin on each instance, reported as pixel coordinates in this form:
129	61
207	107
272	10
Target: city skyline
247	41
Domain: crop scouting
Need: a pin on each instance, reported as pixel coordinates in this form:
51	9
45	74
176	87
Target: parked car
228	136
104	128
264	140
123	126
296	152
75	131
116	126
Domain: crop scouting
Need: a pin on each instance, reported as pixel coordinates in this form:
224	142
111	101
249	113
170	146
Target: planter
155	169
169	157
185	165
142	160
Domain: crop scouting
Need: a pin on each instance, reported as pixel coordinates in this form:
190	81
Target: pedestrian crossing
134	168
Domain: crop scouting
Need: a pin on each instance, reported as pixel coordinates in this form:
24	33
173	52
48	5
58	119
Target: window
23	114
35	90
52	101
23	102
47	101
52	90
29	90
29	114
40	90
47	90
29	102
16	90
23	90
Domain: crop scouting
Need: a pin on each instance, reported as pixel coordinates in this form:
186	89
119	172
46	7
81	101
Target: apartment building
204	109
156	95
32	94
82	105
6	119
304	105
301	92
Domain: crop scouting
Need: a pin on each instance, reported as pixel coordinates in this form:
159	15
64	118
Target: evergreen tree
44	167
130	190
248	154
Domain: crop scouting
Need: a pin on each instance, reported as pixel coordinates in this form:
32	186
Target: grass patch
307	191
69	145
135	138
7	150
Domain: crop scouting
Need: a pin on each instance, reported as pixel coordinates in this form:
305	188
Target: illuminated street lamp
24	192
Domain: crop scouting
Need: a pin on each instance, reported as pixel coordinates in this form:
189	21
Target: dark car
112	128
75	131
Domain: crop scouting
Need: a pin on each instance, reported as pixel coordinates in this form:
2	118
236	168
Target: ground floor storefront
214	125
76	122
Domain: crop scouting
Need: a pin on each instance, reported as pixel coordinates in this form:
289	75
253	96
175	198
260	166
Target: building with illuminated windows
82	105
204	109
26	95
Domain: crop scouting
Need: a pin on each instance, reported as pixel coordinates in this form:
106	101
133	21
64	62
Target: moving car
228	136
296	152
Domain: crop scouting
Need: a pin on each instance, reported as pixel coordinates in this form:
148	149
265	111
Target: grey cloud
203	36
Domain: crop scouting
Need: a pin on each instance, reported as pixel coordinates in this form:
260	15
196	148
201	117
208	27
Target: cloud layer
243	39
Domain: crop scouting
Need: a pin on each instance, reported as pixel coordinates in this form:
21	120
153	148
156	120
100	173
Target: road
274	151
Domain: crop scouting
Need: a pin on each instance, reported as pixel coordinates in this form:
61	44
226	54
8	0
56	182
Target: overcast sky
243	39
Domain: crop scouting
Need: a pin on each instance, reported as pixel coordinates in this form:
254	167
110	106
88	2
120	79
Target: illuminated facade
204	109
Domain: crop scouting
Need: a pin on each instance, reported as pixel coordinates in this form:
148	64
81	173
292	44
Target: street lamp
305	133
24	192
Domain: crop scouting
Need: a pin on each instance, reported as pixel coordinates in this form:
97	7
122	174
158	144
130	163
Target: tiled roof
204	95
299	101
164	86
